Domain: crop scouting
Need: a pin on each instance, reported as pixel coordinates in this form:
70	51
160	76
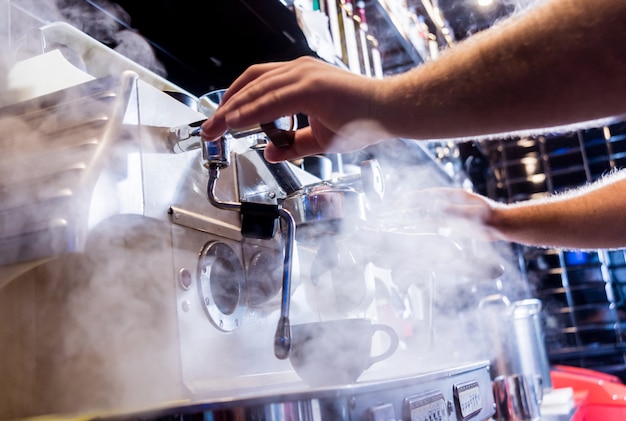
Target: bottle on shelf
418	34
377	62
350	39
336	30
362	31
433	46
355	47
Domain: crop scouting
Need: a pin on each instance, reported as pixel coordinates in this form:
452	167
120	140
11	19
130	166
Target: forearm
591	217
568	69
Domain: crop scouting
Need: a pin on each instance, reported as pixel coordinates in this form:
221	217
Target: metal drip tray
458	393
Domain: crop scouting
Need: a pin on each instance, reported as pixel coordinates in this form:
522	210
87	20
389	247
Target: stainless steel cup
517	342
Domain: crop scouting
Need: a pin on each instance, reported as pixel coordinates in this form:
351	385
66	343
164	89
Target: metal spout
280	132
185	138
216	153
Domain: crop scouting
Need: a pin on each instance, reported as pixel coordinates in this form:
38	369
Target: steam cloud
110	24
84	331
99	324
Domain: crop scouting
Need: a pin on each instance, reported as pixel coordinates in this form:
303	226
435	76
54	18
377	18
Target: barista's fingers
248	108
213	128
249	91
301	86
262	103
249	76
449	202
472	213
449	195
263	81
304	144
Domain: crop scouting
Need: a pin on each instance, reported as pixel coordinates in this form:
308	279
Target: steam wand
282	338
217	156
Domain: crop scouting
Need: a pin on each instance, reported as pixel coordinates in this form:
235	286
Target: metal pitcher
516	338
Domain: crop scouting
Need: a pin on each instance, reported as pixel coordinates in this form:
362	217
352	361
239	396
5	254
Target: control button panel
429	406
467	399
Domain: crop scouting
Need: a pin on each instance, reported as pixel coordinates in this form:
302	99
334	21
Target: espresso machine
147	274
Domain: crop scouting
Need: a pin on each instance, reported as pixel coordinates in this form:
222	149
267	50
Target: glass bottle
362	29
336	30
350	39
377	63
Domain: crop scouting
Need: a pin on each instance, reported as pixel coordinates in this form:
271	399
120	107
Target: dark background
205	45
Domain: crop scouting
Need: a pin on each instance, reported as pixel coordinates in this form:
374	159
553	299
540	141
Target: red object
598	396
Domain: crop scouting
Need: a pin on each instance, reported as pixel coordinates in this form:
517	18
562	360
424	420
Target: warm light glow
537	178
485	2
530	164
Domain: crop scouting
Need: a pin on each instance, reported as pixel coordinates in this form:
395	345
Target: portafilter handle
281	132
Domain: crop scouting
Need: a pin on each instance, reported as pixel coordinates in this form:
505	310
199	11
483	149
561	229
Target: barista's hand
464	213
343	108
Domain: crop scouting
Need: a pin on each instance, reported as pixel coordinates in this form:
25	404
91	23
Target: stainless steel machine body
123	288
452	394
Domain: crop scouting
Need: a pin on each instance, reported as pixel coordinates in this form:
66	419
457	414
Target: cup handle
393	343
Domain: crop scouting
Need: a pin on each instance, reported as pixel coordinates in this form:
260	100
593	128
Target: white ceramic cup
336	351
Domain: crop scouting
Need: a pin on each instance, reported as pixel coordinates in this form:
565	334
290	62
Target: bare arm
590	217
558	63
593	217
